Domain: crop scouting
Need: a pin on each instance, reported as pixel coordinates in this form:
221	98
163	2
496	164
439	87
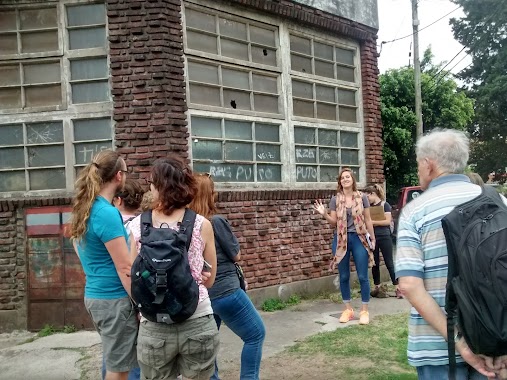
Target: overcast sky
395	17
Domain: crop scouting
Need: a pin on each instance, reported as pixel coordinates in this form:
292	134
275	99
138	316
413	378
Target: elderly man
421	257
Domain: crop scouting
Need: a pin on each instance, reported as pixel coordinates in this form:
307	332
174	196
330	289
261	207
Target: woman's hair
147	202
447	147
475	178
376	189
104	166
173	179
131	195
204	200
354	183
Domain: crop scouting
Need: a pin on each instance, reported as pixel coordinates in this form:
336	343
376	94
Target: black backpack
476	236
162	285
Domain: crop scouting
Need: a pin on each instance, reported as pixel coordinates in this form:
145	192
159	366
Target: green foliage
483	31
443	105
69	329
274	304
47	330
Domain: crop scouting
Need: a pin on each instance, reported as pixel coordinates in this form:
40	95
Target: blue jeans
441	372
134	374
240	315
360	255
334	244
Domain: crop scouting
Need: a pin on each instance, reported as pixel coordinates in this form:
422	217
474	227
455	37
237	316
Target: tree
483	32
443	106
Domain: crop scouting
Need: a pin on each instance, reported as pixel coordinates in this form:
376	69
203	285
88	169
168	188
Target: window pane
262	36
238	130
304	135
263	55
328	156
326	111
345	73
7	20
11	158
90	92
235	78
202	73
235	151
39	96
306	173
301	45
306	154
302	64
266	103
269	173
348	139
302	89
206	127
10	98
200	20
204	95
39	41
92	129
84	152
323	51
37	18
347	97
41	73
348	114
86	14
50	155
267	132
88	69
329	173
202	42
350	157
8	44
264	83
325	93
44	133
206	150
9	75
47	179
237	99
87	38
232	28
267	152
12	181
302	108
324	69
327	137
345	56
232	173
11	135
234	49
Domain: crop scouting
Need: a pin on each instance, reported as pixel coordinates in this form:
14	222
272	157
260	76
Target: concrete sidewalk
78	355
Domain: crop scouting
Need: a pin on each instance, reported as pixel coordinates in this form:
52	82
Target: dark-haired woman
230	303
189	348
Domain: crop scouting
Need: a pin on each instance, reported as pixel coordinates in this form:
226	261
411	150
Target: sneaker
364	318
382	291
347	315
398	293
374	292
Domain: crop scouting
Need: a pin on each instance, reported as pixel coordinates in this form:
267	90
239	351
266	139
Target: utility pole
417	70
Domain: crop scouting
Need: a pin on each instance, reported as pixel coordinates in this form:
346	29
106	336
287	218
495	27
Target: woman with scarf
351	215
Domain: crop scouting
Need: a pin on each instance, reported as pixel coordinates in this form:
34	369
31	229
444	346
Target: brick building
270	97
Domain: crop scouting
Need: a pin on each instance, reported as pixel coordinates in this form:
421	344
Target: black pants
384	244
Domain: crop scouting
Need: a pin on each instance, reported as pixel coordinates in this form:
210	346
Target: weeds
48	330
274	304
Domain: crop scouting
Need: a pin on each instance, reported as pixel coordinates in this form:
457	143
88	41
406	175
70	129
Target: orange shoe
347	315
364	317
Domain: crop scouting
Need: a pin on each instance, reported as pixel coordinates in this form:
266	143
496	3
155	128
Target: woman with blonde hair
350	213
100	240
230	303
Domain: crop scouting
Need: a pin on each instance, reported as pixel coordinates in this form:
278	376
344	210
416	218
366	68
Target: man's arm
119	252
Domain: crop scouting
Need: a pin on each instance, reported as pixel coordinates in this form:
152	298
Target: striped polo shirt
422	252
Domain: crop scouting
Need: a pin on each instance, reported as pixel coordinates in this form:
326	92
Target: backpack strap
146	222
187	225
129	220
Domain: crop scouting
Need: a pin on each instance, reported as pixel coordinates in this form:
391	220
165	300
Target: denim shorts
116	322
188	348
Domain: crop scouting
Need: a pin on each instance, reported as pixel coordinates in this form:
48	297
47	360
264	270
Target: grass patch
48	330
274	304
380	346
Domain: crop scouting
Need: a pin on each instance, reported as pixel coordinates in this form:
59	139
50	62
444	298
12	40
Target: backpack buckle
161	279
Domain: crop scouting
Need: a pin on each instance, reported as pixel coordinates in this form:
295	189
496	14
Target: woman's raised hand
319	207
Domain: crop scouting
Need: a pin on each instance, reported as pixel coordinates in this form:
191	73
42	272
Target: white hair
447	147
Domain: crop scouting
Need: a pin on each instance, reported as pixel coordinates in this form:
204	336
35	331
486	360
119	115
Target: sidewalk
77	356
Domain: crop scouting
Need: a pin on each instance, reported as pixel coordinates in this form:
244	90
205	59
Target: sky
395	19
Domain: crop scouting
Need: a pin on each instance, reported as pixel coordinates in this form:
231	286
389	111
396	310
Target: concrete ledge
11	320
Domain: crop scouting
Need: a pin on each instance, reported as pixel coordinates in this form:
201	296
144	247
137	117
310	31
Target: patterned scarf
341	226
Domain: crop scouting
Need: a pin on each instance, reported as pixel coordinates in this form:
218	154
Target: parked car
405	195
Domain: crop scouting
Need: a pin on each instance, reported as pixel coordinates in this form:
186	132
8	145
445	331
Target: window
52	59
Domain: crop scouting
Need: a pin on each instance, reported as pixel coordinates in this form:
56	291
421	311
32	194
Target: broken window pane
12	181
201	72
41	72
348	139
89	14
38	96
240	130
87	38
236	151
200	94
47	179
262	36
9	75
38	18
8	44
44	133
237	99
232	28
11	158
42	156
10	98
92	129
206	150
39	41
202	42
304	135
234	49
263	55
235	78
199	20
206	127
327	137
90	92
